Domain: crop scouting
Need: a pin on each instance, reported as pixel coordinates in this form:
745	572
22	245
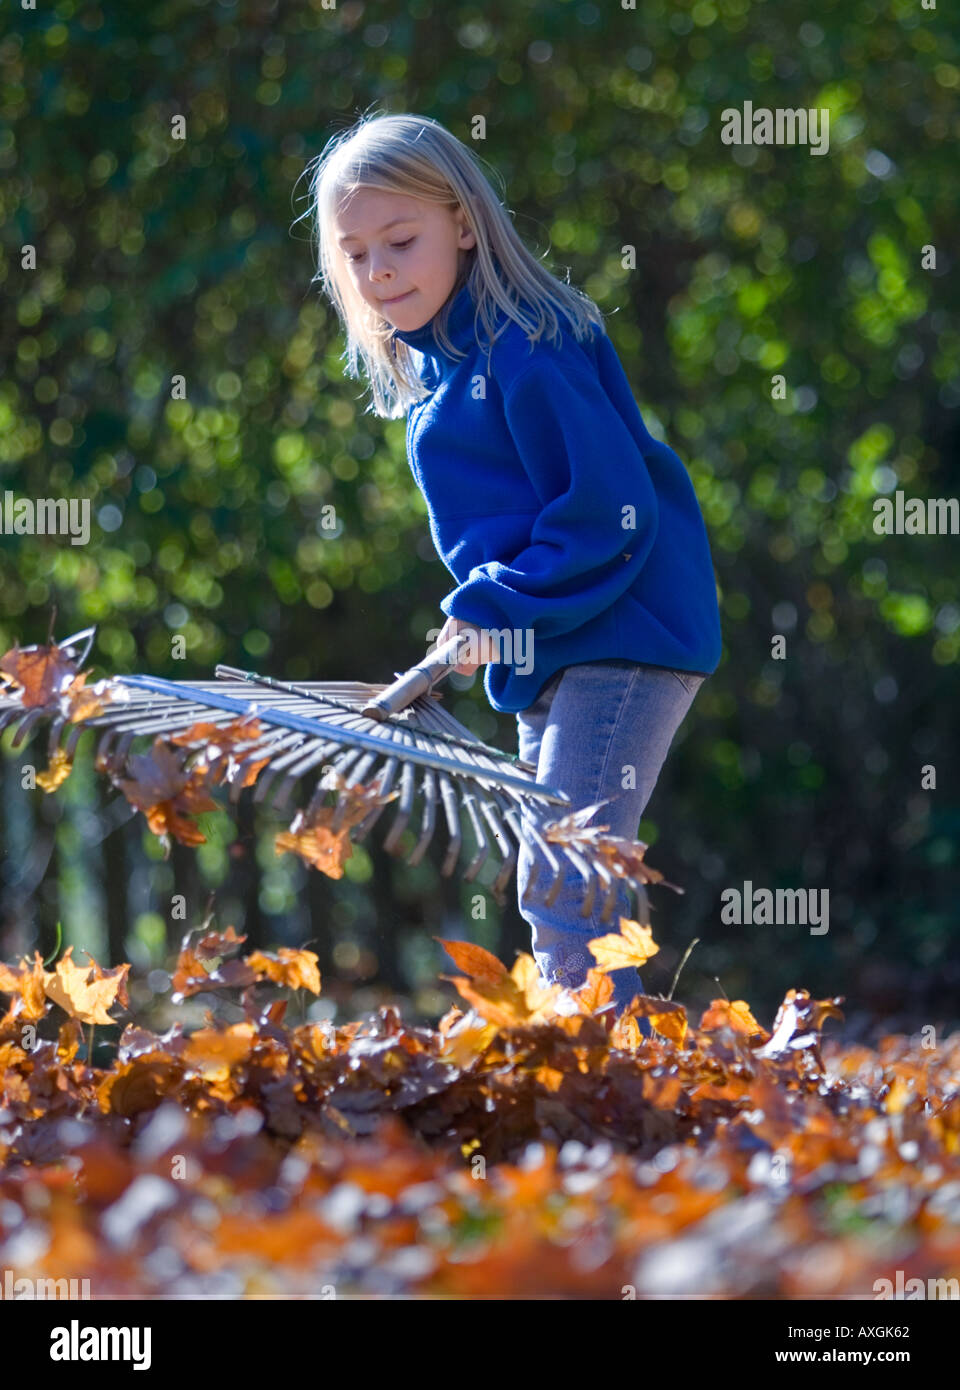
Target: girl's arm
599	517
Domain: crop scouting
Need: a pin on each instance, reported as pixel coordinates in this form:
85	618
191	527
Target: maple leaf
633	945
723	1013
316	840
541	999
508	998
669	1019
212	1052
86	991
29	985
467	1040
219	742
192	973
491	989
217	943
295	969
80	701
596	991
167	793
40	672
69	1038
476	962
57	773
325	849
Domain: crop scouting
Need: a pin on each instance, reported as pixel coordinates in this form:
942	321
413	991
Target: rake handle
417	681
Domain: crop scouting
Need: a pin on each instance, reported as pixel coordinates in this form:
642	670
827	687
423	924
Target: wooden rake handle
417	681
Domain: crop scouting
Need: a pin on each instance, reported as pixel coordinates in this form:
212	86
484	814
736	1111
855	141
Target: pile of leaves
528	1145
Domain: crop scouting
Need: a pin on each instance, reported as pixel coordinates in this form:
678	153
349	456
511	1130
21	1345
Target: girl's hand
450	629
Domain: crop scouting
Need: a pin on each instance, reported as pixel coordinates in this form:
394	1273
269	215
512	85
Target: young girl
581	558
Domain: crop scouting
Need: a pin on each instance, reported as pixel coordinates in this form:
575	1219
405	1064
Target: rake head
366	745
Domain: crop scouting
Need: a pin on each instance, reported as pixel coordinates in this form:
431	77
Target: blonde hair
416	156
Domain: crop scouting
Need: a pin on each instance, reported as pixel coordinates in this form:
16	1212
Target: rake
354	735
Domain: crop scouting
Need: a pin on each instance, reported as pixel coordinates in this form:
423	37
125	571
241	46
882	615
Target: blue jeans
587	726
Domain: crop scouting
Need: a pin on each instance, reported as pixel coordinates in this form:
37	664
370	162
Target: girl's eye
394	245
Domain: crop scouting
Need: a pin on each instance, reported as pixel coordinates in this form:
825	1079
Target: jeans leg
595	727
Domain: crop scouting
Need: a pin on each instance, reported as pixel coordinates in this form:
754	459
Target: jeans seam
606	757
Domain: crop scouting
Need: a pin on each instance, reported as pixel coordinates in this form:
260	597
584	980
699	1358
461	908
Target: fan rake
367	744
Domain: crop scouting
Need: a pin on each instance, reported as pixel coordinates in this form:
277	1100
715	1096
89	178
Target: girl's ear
467	236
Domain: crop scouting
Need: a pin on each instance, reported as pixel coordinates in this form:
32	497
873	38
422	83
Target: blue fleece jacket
569	529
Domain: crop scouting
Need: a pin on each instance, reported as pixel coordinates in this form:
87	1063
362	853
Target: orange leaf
29	983
79	701
736	1015
57	773
295	969
212	1053
597	992
325	849
86	991
474	960
167	793
669	1019
502	1003
541	998
634	945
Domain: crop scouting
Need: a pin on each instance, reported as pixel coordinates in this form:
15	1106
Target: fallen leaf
86	991
633	945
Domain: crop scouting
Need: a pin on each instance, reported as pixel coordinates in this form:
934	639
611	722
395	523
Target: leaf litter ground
529	1145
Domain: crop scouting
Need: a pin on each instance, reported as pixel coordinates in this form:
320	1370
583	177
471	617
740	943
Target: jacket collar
460	328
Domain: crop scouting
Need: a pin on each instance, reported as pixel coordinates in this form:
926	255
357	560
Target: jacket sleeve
598	506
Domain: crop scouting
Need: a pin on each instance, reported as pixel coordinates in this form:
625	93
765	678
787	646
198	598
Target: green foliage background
159	257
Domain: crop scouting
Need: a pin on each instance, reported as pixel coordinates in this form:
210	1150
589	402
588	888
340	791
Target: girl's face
406	270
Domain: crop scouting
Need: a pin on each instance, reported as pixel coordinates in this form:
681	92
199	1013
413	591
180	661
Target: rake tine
307	760
238	774
556	879
56	729
24	725
589	879
506	849
318	751
514	820
71	642
340	767
448	795
483	850
404	808
386	779
610	894
9	713
73	738
429	788
170	717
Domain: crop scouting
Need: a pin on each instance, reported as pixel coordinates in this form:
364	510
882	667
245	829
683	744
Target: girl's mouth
399	297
